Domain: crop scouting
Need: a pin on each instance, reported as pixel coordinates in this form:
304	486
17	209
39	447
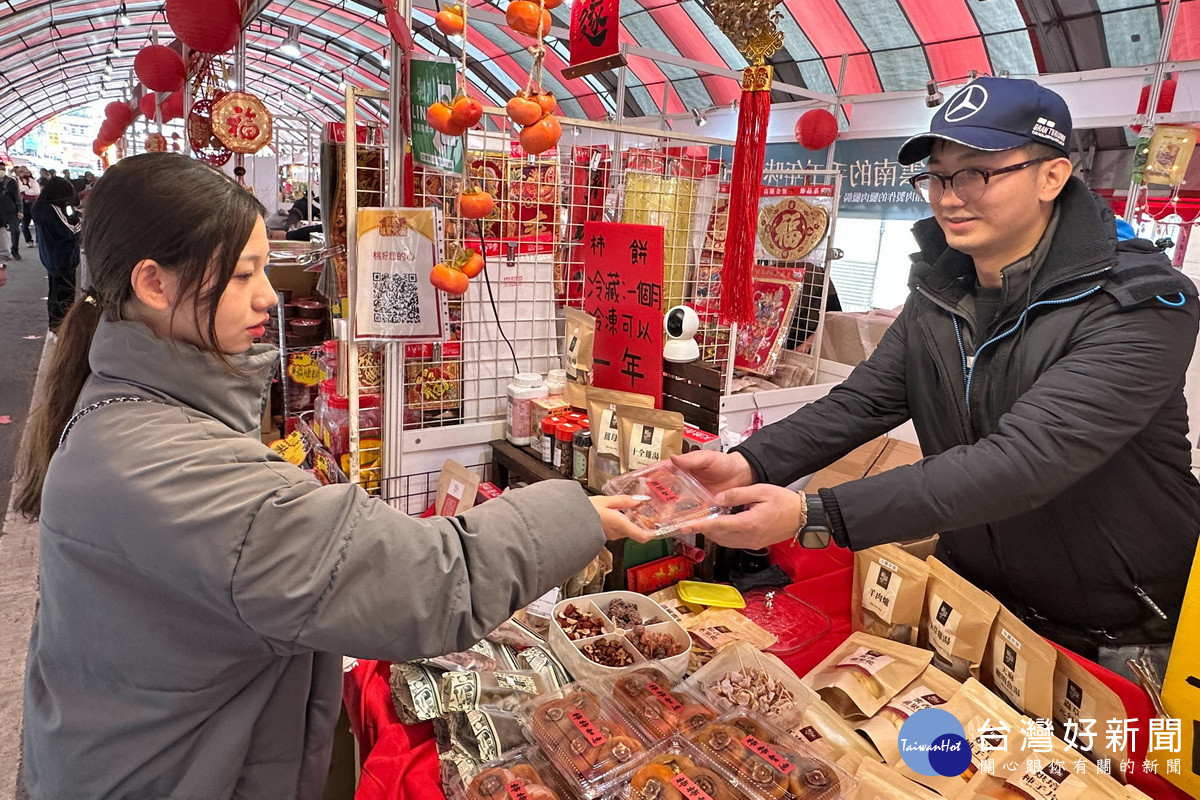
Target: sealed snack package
889	593
658	706
956	622
1038	776
740	677
877	782
647	435
1080	696
933	688
864	673
715	628
994	733
579	333
503	690
676	499
415	692
822	729
484	733
771	763
523	775
605	459
1019	665
678	770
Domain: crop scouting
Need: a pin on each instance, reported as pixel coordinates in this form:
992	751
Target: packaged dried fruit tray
675	769
742	677
523	775
769	762
586	739
658	705
624	630
676	499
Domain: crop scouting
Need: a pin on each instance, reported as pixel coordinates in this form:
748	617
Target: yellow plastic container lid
710	594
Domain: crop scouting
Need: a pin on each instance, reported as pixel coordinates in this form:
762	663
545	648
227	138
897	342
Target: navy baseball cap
995	114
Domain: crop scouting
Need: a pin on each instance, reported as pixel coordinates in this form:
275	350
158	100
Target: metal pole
350	367
829	153
239	75
1164	52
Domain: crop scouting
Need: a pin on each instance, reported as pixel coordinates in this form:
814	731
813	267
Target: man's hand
773	514
716	471
615	524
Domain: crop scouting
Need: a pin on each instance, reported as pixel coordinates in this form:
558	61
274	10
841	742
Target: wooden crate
694	390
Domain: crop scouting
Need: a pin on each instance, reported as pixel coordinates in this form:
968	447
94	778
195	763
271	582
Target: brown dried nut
577	624
655	644
607	653
624	614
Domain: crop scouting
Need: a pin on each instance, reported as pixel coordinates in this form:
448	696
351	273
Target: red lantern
120	113
160	68
210	26
172	107
98	147
146	105
110	131
1166	100
816	129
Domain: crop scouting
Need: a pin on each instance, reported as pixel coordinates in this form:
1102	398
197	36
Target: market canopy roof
53	52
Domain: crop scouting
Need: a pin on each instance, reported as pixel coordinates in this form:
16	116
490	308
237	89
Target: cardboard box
876	456
696	439
895	454
540	409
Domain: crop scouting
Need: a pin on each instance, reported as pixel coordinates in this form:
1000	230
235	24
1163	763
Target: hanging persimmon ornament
156	143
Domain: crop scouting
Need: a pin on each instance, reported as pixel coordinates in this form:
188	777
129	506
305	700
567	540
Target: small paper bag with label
933	688
1081	697
605	460
457	487
646	436
956	622
859	677
579	331
1019	666
822	729
877	782
993	732
1047	775
501	689
889	593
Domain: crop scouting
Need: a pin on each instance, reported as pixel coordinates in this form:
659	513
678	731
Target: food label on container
881	590
1009	668
518	417
661	490
943	627
304	369
1050	781
609	442
645	446
664	697
590	732
516	791
453	495
688	788
866	660
914	700
520	683
768	754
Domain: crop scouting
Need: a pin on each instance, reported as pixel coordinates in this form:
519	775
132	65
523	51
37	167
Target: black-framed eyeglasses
969	184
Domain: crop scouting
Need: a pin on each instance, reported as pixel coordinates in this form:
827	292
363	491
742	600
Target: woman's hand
773	514
716	471
616	525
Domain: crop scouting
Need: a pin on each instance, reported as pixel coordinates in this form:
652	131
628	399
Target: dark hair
1041	150
188	217
57	192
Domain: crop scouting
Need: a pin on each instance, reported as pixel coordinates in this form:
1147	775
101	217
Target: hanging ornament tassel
737	300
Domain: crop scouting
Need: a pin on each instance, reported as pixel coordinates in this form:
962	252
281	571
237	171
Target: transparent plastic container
586	739
676	498
658	705
675	768
795	622
624	632
770	763
523	774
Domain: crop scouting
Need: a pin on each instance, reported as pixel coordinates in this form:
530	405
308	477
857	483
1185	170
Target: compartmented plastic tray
621	633
676	498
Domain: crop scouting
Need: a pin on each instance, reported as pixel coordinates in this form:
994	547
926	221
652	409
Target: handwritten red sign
516	791
767	754
623	277
664	697
688	788
593	735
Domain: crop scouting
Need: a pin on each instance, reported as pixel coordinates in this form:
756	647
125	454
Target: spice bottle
563	457
549	425
525	388
581	450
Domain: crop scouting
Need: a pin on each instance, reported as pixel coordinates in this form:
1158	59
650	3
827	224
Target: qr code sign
394	298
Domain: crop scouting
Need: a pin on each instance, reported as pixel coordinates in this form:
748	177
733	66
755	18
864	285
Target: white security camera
681	324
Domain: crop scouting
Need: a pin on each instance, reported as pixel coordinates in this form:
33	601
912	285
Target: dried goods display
498	783
583	738
613	630
769	764
678	773
752	688
607	653
625	614
655	644
578	624
676	499
646	694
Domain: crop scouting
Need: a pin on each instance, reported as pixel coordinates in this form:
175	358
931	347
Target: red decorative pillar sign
623	277
594	45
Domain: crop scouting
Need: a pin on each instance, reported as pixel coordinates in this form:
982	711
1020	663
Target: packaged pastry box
598	636
658	705
676	499
675	769
521	775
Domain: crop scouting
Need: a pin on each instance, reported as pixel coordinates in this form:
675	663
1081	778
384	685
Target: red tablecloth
400	761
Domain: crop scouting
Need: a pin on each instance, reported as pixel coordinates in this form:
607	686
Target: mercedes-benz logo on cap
966	103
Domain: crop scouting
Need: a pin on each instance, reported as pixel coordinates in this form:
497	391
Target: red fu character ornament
241	122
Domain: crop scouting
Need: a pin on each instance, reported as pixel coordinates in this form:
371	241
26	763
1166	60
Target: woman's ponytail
65	376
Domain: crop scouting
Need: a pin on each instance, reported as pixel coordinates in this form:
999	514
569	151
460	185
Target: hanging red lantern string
209	26
120	113
160	68
146	106
172	107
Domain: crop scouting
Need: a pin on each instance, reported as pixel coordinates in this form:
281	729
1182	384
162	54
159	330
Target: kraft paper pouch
457	487
579	331
1078	695
993	729
714	628
877	782
823	730
575	395
956	622
605	460
933	688
1018	665
501	690
889	592
859	677
646	436
1038	776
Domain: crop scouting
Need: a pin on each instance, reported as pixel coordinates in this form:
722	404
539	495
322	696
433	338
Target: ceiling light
115	50
232	84
387	63
123	18
291	45
107	67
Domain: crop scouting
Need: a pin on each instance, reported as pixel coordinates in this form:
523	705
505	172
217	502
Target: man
10	212
1042	364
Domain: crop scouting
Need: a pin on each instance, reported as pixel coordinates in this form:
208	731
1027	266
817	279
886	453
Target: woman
29	190
197	591
57	226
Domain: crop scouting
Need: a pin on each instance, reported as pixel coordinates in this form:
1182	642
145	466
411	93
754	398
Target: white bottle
525	388
556	382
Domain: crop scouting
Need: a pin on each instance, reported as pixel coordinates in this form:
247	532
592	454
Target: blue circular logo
933	742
